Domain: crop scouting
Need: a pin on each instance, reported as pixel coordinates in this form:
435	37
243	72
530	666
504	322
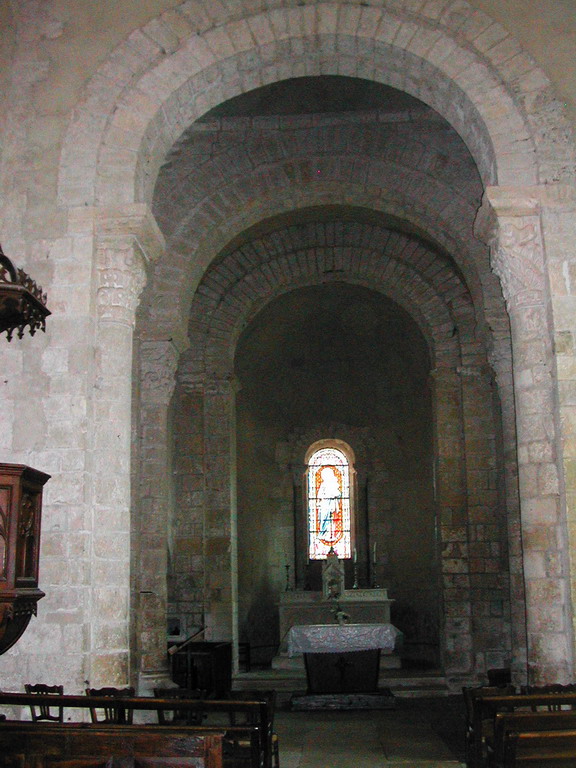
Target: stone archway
242	281
123	131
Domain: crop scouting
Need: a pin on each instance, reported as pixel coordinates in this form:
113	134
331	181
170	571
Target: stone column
486	524
300	527
121	263
512	226
450	492
378	509
220	533
157	363
501	363
558	217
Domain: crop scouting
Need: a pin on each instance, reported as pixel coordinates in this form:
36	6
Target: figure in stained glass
329	501
328	504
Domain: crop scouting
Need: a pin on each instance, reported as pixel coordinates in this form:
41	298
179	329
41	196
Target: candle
374	554
355	556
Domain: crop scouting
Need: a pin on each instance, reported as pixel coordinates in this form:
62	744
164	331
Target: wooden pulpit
20	515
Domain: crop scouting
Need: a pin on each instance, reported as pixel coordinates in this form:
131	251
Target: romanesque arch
456	60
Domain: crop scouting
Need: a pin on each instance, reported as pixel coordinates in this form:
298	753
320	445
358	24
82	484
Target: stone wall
93	105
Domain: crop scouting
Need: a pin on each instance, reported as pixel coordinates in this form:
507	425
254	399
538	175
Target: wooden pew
485	709
91	745
508	725
540	749
255	713
470	694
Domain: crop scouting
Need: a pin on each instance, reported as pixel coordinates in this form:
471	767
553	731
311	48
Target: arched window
329	506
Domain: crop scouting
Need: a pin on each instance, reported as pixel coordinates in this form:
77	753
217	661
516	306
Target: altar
341	638
342	658
333	618
363	606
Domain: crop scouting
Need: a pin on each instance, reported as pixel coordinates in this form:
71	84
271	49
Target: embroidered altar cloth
340	638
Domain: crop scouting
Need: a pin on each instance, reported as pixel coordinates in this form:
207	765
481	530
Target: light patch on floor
374	739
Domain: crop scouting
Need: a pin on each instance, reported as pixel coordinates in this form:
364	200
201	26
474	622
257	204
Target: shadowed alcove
335	361
344	297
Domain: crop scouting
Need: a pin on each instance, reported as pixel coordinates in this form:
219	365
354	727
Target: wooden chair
269	697
475	742
180	716
112	713
44	711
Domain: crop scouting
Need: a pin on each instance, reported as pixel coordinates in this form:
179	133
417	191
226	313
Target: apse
336	361
330	288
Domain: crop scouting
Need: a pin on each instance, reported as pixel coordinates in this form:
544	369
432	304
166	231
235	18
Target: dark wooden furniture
348	672
532	690
477	731
503	749
254	714
73	745
499	677
245	656
113	711
179	716
53	714
205	665
254	717
540	749
20	513
487	707
22	302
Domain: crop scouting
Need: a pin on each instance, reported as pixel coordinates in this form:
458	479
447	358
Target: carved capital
158	363
508	221
121	278
518	261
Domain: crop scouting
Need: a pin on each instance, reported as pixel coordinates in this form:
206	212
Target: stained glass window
328	504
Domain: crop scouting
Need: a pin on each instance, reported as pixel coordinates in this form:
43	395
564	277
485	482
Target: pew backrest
72	745
255	714
507	723
541	749
485	709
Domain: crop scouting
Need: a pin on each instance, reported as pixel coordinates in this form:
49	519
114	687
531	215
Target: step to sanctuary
382	699
402	683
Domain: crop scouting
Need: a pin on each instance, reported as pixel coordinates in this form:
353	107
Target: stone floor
420	733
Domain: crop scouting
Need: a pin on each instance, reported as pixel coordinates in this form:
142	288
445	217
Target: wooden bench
540	749
246	723
90	745
509	725
473	732
485	709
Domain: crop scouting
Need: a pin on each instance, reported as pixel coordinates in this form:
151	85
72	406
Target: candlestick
288	588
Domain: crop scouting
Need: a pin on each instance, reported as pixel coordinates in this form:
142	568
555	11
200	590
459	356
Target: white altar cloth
340	638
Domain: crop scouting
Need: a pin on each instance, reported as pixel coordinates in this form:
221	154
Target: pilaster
510	221
220	527
124	249
450	492
157	366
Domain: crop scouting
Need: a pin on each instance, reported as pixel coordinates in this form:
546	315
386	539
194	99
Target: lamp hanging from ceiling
22	303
